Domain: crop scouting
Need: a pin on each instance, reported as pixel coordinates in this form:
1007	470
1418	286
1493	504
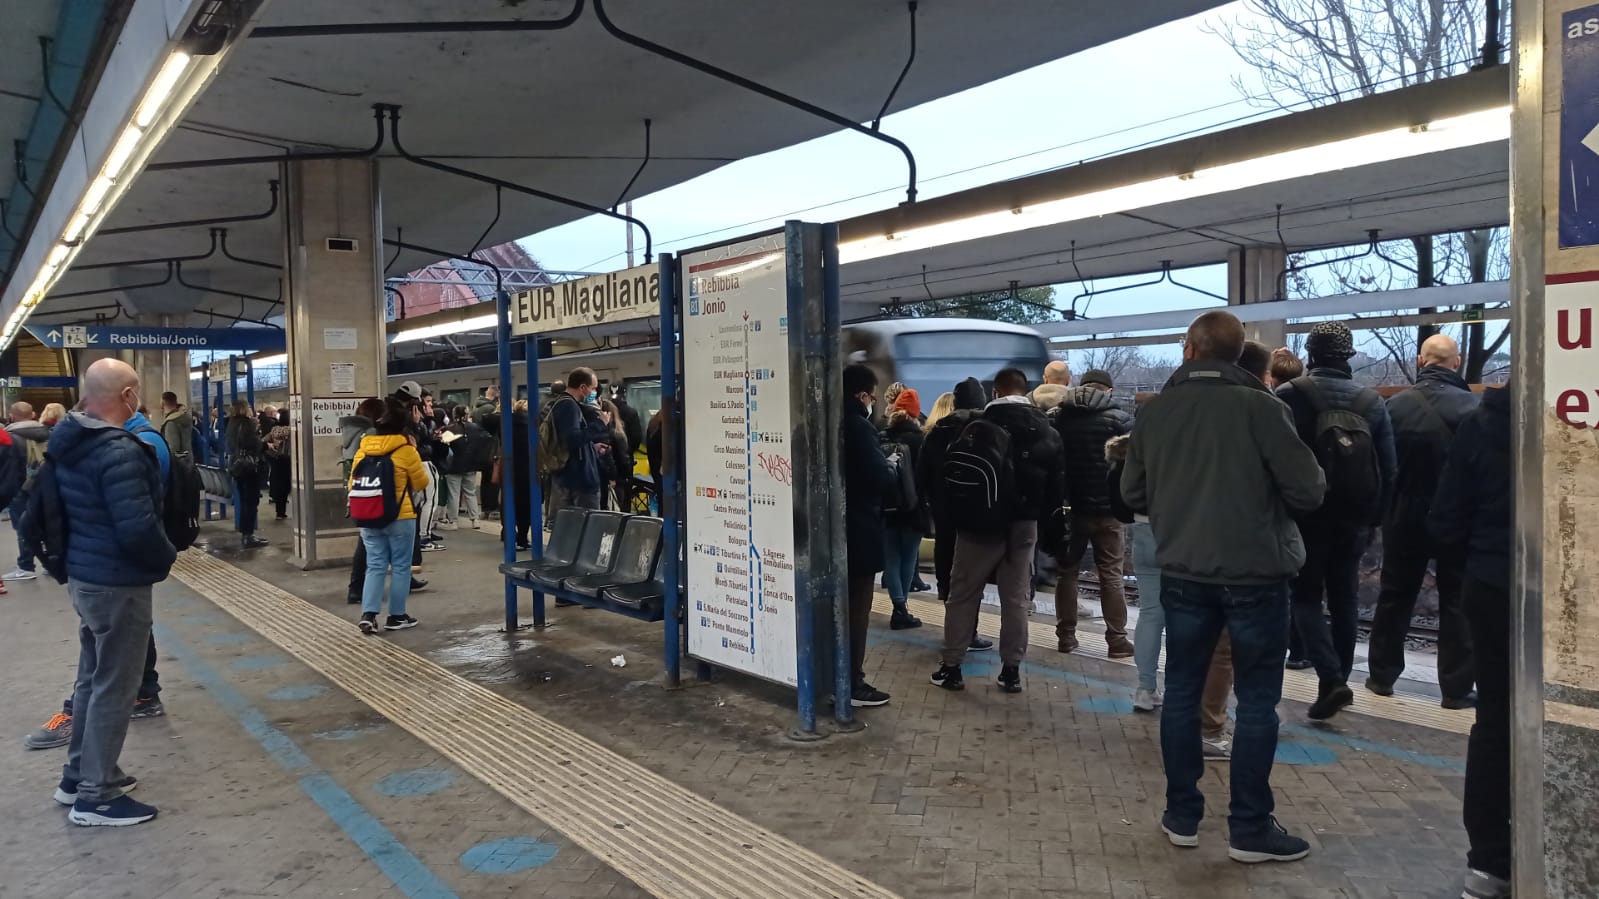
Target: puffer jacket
1425	419
1476	491
409	472
1215	463
110	485
1036	454
1341	392
1086	419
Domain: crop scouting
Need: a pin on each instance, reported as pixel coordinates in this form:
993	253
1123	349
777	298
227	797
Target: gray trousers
113	638
1006	561
563	497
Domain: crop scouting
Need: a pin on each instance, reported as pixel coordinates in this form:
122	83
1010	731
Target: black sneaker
369	622
248	541
354	599
865	696
1185	836
67	792
903	620
1297	664
1378	687
1469	701
1333	697
399	623
980	644
1271	845
417	585
1010	679
920	586
147	708
119	812
949	677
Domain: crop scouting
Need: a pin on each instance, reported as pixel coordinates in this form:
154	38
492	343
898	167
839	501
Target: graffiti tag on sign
776	467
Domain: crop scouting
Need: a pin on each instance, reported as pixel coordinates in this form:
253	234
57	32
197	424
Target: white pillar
1255	275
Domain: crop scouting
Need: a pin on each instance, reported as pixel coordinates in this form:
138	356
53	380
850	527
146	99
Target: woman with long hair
944	405
245	463
53	413
616	463
389	548
278	463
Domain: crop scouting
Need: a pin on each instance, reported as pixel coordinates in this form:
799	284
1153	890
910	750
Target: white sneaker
1216	748
447	525
1147	700
19	575
476	526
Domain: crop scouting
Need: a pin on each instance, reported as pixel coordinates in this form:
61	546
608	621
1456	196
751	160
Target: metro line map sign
738	469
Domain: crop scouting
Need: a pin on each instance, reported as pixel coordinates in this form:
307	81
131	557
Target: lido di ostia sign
596	300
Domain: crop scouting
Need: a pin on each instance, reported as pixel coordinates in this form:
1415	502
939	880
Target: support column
1255	275
1554	609
161	370
333	283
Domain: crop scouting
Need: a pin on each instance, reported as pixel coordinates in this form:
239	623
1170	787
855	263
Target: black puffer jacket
1475	491
1086	420
1425	419
866	478
1037	455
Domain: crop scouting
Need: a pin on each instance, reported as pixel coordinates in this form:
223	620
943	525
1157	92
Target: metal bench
632	561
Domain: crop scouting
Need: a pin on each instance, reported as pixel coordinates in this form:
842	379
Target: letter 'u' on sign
1571	353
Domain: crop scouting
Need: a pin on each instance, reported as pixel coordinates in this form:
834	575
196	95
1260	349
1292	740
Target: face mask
593	395
869	408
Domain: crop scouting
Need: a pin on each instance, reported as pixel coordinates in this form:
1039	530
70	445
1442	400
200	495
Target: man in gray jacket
1214	449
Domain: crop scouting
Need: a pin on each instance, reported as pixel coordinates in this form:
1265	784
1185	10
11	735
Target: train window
933	362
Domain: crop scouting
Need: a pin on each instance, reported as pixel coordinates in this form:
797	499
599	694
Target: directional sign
77	337
1579	128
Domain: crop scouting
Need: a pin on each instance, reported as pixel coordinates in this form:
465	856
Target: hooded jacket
1048	396
1086	419
25	433
1217	466
409	472
1425	419
351	429
177	429
111	492
903	429
1476	491
1036	454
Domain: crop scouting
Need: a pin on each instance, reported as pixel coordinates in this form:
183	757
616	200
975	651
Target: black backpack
980	478
180	502
374	502
44	522
1347	452
901	499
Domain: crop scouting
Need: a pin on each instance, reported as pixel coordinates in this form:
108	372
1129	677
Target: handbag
494	476
243	465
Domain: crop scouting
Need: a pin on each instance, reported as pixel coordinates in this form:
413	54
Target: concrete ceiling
21	77
562	111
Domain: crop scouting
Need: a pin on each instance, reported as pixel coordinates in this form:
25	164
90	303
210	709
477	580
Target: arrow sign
1579	129
233	339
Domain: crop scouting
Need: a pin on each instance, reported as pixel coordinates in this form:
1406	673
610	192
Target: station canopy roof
562	111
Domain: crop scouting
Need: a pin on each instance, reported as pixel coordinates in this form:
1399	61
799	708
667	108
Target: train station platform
299	758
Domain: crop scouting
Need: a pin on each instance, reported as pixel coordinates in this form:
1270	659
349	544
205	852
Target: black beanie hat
969	394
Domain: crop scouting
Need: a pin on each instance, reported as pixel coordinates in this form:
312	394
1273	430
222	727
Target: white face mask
869	408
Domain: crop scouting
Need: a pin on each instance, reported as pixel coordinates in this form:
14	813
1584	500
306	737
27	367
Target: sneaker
67	792
1297	664
399	623
248	541
1469	701
1066	644
903	620
920	586
1146	700
1216	748
449	526
119	812
1121	649
20	574
1378	687
1271	845
979	644
435	537
147	708
476	526
417	586
56	732
949	677
354	599
1334	696
1084	613
369	622
3	590
428	546
865	696
1010	678
1183	835
1482	885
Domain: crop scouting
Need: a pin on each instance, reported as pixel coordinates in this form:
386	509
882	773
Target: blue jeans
900	549
18	506
1256	617
386	548
1151	614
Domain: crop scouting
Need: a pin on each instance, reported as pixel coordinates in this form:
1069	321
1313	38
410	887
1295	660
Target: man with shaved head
1215	464
1424	418
109	480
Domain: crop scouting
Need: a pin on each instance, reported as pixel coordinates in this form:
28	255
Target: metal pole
535	507
249	382
233	399
666	478
502	302
832	431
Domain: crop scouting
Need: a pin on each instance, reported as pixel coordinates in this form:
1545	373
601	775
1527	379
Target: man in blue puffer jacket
117	549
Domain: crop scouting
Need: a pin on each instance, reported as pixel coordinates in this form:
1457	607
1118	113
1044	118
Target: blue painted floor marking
297	692
507	856
1106	705
415	782
345	734
975	667
257	663
1290	752
227	638
413	878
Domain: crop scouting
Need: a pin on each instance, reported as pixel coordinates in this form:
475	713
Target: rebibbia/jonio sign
595	300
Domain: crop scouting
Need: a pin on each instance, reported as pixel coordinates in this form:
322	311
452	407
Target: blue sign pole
249	383
666	479
535	504
843	677
502	333
233	402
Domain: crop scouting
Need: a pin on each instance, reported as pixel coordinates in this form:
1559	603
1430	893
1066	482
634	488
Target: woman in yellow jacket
388	549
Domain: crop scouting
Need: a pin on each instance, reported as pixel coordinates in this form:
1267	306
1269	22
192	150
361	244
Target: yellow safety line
665	838
1299	686
1574	715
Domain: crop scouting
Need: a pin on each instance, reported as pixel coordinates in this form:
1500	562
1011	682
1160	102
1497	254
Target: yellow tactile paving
1299	686
669	840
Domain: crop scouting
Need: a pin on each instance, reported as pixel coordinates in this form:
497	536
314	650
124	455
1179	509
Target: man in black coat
1086	420
631	425
867	477
969	402
1424	418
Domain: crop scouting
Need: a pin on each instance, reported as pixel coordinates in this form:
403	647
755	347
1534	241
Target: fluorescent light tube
75	228
121	152
95	195
160	89
443	328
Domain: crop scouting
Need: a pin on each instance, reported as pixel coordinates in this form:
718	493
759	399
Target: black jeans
943	557
18	506
860	618
1486	806
1332	563
149	684
249	499
357	570
1406	550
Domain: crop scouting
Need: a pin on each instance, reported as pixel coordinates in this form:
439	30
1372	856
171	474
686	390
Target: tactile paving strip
1299	686
667	839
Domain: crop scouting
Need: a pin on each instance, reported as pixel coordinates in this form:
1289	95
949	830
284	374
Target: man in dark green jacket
1216	464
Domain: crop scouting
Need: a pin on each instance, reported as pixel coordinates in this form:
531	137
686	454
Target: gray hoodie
351	429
